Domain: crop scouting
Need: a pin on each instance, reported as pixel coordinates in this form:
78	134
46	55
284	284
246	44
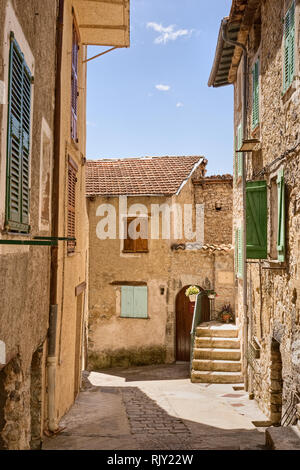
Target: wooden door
184	319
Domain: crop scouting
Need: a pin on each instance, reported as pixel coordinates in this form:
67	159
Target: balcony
103	22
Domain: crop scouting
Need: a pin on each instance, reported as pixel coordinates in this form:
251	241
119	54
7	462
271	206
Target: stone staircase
217	355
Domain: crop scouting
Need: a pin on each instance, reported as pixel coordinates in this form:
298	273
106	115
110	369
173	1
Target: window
134	302
255	95
72	180
238	255
256	219
136	227
289	47
18	142
238	166
74	86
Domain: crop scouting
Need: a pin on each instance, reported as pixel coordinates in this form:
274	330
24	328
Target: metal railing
197	319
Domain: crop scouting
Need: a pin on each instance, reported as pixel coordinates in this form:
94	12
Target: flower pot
193	298
226	318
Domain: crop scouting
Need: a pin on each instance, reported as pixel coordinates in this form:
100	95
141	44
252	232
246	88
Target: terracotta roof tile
140	176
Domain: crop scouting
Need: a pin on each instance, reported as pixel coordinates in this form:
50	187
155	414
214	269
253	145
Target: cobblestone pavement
158	408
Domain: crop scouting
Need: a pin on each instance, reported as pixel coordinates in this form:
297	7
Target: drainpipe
52	359
245	293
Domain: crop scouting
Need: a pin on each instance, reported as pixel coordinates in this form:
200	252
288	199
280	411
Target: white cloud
179	105
168	33
162	87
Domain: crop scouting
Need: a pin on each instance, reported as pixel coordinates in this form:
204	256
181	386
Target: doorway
184	320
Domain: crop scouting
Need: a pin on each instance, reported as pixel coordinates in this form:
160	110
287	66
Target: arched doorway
184	319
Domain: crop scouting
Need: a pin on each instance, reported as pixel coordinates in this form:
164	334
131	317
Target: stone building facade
265	74
161	269
43	217
25	270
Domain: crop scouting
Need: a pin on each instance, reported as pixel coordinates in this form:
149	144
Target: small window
74	86
18	142
255	95
134	302
72	180
136	227
289	48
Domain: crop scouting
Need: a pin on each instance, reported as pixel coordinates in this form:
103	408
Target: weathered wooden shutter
128	242
18	141
74	86
72	180
255	95
289	47
240	253
134	302
281	216
256	220
140	302
239	154
127	301
140	245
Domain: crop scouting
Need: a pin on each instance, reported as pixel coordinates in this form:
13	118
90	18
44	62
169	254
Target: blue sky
153	98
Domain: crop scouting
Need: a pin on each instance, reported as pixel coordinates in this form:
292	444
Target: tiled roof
139	176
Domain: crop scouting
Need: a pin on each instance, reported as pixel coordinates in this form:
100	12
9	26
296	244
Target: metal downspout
52	359
245	290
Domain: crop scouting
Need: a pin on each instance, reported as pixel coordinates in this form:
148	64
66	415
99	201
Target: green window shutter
127	301
236	251
255	95
281	216
239	154
240	267
256	216
140	302
134	302
289	48
18	141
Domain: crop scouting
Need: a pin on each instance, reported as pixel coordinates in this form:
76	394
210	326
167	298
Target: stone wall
273	288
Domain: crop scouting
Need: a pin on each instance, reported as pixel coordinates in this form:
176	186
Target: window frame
72	177
289	49
255	118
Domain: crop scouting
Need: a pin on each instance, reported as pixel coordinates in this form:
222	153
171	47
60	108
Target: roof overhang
237	26
224	53
103	22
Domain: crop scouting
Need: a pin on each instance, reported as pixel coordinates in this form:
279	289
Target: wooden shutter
240	253
281	216
256	219
134	302
127	301
140	302
255	95
18	141
72	180
239	154
139	245
74	86
289	47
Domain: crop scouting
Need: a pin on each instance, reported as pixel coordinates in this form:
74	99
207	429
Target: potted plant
211	294
226	314
192	293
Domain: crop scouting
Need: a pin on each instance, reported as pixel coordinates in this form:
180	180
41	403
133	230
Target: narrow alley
158	408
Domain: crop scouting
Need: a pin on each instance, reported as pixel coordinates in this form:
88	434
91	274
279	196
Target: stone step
212	342
216	377
229	331
223	354
283	438
217	365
